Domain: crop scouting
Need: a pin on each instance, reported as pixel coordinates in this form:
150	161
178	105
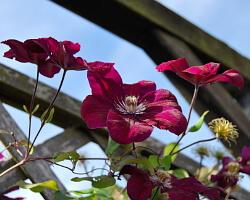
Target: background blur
227	20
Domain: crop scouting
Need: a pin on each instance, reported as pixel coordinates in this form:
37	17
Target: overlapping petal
202	75
127	129
49	54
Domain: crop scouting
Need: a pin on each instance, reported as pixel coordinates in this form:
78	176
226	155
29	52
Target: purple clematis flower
141	183
202	75
229	174
49	54
129	111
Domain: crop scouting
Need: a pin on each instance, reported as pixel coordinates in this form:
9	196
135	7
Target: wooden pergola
163	35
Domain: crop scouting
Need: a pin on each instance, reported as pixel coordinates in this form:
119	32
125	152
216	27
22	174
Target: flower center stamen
161	177
130	105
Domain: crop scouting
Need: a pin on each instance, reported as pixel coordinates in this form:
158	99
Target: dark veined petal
127	130
165	118
161	97
139	89
231	76
104	80
48	69
139	187
94	111
177	66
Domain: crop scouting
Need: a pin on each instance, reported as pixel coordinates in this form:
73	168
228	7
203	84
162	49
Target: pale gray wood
36	171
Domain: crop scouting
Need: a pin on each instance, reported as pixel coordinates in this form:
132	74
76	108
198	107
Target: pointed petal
104	80
177	66
161	97
94	111
127	130
139	89
232	76
165	118
48	69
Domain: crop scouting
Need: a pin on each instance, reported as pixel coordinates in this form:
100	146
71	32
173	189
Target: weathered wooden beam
129	19
214	98
37	171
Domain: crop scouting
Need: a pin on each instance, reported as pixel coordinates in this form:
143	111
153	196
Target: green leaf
103	181
5	132
77	179
167	160
98	182
35	109
73	156
24	142
155	160
112	147
117	166
179	173
25	109
49	118
168	148
60	196
38	187
143	162
199	123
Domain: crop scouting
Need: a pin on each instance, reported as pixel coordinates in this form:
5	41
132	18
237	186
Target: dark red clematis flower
229	174
141	183
129	111
49	54
61	54
202	75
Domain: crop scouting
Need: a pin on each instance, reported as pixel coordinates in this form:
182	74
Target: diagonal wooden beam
38	171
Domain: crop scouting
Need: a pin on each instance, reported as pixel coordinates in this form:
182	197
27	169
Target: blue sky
227	20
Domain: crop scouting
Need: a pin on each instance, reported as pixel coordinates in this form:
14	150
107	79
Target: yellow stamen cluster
233	167
224	129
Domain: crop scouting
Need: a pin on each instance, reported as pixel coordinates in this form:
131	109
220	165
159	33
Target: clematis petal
161	97
105	80
127	130
48	69
177	66
207	69
165	118
138	186
94	111
245	154
232	76
139	89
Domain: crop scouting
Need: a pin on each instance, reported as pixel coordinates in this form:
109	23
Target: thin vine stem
48	111
207	140
30	113
196	89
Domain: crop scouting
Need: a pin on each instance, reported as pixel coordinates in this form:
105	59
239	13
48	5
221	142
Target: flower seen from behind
49	54
202	75
129	111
